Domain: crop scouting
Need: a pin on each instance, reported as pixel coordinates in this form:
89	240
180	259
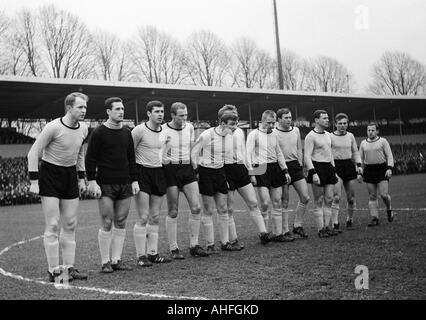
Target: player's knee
372	197
336	199
328	200
384	196
284	203
196	210
305	199
230	211
70	225
264	206
120	222
154	219
276	203
351	202
107	224
173	212
222	210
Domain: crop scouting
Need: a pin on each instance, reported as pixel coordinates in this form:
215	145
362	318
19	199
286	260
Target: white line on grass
93	289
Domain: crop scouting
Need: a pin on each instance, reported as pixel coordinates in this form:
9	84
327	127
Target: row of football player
121	164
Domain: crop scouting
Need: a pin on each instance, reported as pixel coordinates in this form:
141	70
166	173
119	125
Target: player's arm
91	163
356	156
361	161
389	157
250	152
281	162
35	154
309	148
195	151
299	148
132	165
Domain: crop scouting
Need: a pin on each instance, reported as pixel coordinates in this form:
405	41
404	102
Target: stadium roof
42	98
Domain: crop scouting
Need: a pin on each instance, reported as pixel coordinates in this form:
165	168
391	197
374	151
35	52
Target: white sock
335	213
285	213
171	229
265	216
300	213
51	247
207	222
223	219
232	229
152	239
327	215
319	218
139	236
277	218
118	237
104	239
258	220
67	243
374	208
194	229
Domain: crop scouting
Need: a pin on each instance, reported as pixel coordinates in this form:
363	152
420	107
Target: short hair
341	116
109	101
282	111
373	123
317	113
70	99
154	103
226	107
175	106
268	113
227	116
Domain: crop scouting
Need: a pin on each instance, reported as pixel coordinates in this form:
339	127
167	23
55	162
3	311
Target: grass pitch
395	254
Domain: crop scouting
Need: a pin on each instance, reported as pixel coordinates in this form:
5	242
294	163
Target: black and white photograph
213	156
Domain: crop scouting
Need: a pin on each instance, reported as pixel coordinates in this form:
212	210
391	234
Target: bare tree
396	73
157	57
68	44
4	24
292	70
325	74
251	66
207	59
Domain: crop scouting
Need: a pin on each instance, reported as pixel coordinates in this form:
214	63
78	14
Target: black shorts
274	177
179	175
326	173
152	180
236	175
374	173
212	181
117	191
295	170
345	169
59	182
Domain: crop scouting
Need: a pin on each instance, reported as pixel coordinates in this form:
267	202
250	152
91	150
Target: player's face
156	115
371	132
342	125
285	120
180	117
116	113
230	127
269	123
78	110
323	120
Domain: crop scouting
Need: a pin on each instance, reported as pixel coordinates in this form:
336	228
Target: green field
395	254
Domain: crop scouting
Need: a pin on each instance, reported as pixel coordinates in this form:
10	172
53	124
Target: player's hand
359	178
135	187
94	189
359	171
34	188
287	178
388	174
253	180
81	185
316	179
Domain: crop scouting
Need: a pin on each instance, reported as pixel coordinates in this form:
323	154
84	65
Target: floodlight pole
277	42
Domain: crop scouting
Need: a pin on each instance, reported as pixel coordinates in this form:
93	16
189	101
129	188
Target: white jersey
289	143
235	147
178	147
263	148
344	147
376	152
318	148
60	145
211	148
149	145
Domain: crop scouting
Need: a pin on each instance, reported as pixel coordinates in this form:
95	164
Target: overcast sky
354	32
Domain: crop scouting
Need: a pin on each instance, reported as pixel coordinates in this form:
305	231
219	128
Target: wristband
312	171
359	164
33	175
390	168
81	174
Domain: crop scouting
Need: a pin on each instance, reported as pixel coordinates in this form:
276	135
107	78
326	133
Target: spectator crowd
15	184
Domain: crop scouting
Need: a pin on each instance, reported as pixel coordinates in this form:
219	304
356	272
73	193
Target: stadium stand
10	136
